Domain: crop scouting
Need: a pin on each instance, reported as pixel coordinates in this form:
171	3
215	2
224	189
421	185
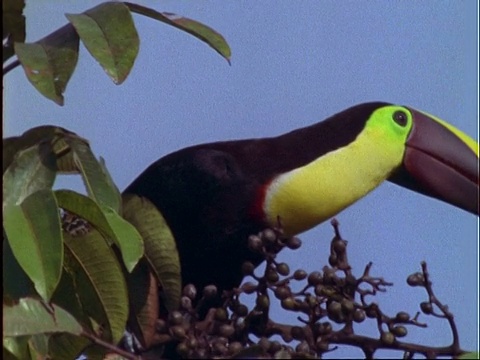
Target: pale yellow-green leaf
97	183
34	235
108	222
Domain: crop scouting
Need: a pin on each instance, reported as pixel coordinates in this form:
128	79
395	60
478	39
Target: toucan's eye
400	117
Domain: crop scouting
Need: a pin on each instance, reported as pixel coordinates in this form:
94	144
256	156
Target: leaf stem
10	67
113	348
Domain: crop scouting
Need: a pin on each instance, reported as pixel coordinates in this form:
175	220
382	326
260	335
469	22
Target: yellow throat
311	194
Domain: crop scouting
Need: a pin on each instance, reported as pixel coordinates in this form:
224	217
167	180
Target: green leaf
50	62
66	346
160	247
8	355
15	348
108	178
109	34
67	298
97	182
195	28
126	238
144	305
99	282
32	316
39	345
16	283
31	170
108	222
470	355
10	148
42	134
34	234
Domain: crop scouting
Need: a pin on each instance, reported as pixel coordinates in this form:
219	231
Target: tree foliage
80	271
75	266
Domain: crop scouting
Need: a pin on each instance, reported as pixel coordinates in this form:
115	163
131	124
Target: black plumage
211	194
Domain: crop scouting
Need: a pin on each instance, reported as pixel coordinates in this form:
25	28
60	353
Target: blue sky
293	64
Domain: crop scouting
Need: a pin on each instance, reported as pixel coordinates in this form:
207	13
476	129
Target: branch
10	67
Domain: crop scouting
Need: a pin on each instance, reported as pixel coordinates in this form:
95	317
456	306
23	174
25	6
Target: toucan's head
438	160
336	162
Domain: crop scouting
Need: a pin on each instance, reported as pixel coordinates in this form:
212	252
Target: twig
10	67
109	346
443	308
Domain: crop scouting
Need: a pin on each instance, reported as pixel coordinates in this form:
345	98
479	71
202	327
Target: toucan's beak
440	161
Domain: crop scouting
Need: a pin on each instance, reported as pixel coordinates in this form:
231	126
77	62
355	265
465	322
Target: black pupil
400	118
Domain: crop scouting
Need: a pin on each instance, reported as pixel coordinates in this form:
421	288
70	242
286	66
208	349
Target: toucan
213	196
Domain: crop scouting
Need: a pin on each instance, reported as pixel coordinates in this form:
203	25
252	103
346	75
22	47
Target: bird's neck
308	195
